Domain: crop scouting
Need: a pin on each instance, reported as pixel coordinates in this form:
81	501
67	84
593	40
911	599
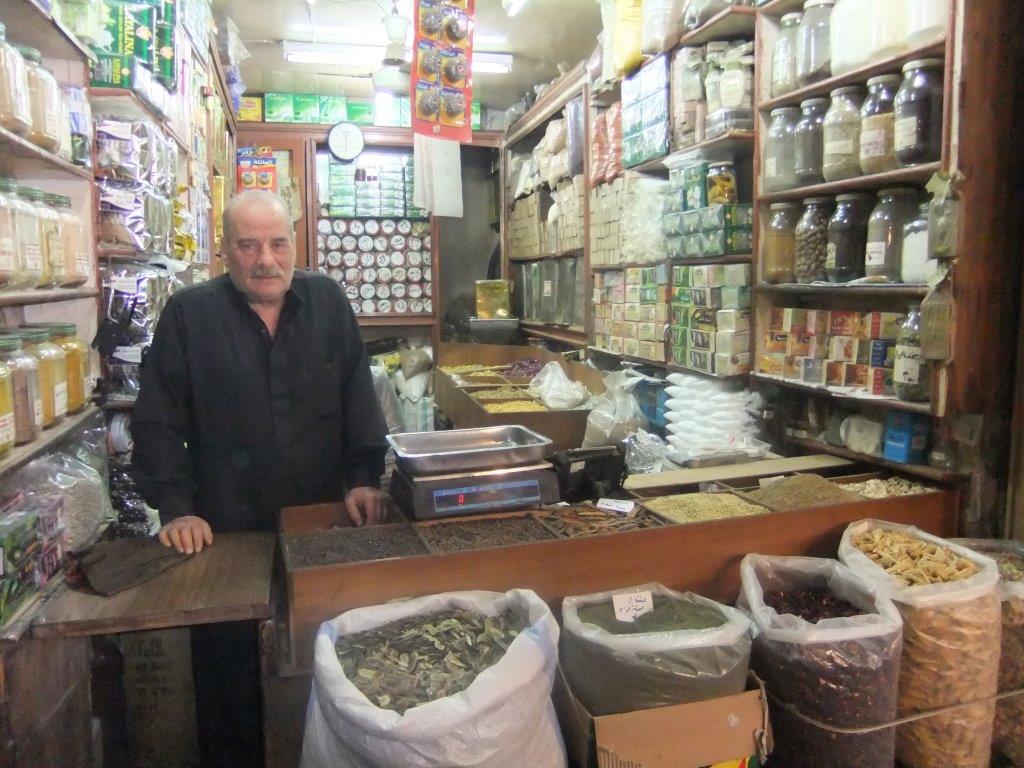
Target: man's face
259	247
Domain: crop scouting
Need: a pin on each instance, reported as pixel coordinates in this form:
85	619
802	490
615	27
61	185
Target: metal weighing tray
468	450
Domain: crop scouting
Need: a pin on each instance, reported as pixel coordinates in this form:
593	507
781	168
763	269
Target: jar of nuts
812	240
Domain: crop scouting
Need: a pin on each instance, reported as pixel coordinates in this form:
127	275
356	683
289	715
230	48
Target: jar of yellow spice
77	352
28	405
6	411
53	373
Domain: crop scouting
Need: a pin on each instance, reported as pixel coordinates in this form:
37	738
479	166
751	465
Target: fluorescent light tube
512	7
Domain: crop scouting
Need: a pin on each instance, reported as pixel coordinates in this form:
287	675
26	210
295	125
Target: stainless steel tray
466	450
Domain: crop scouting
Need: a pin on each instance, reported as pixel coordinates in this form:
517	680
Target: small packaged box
653	313
843	349
618	311
615	345
652	350
817	346
732	364
629	329
727	216
721	242
880	381
775	318
701	360
632	294
881	353
815	370
880	325
793	368
679	354
776	343
681	277
731	343
650	331
793	320
844	323
690	223
835	373
906	438
819	321
855	375
703	318
701	340
631	347
633	276
632	313
798	344
720	276
735	320
678	335
772	363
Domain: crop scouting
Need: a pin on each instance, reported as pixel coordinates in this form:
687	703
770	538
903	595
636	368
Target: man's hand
187	534
367	506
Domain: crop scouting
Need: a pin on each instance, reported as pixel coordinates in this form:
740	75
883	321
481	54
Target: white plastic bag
387	398
841	672
505	719
950	654
616	413
556	390
645	453
621	673
662	25
82	488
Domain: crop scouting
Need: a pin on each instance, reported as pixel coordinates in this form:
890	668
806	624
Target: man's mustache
265	273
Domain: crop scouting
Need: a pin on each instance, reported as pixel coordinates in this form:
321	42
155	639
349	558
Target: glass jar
8	235
721	184
7	428
64	147
784	56
918	106
912	374
927	21
53	373
29	240
15	111
44	97
841	129
877	125
713	89
778	151
883	255
887	20
917	266
28	407
780	243
76	351
77	261
54	258
847	239
849	35
812	240
813	60
807	142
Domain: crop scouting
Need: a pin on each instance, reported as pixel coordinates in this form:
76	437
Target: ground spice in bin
461	536
351	545
801	492
830	660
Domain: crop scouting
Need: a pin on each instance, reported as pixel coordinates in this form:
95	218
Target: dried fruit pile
811	605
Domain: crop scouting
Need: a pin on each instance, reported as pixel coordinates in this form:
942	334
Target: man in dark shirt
256	394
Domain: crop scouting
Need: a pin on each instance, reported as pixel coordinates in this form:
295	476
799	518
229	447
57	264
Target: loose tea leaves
414	661
351	545
702	507
669	615
481	534
801	492
913	560
575	522
811	605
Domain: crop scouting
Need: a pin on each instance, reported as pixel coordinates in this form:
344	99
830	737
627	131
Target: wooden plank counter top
229	581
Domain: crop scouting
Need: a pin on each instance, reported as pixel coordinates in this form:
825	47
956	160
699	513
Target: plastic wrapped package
574	137
613	125
556	390
640	241
662	25
81	123
841	672
700	12
123	148
555	136
122	215
645	453
81	487
708	417
644	670
616	413
628	24
599	151
505	714
607	39
950	648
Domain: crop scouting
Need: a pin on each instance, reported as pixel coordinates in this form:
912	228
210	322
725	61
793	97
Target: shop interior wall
467	243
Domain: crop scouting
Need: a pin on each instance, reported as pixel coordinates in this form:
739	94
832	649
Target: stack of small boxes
606	203
526	229
695	229
569	224
341	181
631	311
411	210
33	548
711	319
381	187
645	114
837	348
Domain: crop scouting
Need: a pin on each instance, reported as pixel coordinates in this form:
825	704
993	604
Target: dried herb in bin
811	605
460	536
414	661
802	492
669	615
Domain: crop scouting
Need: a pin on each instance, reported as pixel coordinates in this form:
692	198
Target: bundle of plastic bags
706	417
616	414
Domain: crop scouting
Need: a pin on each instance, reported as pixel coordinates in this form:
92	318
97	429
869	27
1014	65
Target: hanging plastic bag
1008	737
504	719
842	672
950	652
612	673
628	22
662	25
645	453
615	415
700	12
556	390
80	485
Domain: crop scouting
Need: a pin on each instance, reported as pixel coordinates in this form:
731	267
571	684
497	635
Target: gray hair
253	195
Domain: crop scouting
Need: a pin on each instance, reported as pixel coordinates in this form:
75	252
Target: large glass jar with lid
917	266
878	125
76	351
8	236
918	107
777	173
847	239
53	373
44	98
28	406
7	428
15	111
850	35
721	183
927	21
813	58
812	240
47	221
779	255
841	129
883	255
887	20
784	56
29	237
77	260
912	373
807	142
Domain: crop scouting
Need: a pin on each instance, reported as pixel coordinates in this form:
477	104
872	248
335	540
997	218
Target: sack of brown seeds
951	638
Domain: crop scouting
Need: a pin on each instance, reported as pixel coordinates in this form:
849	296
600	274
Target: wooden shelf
736	21
686	261
23	149
918	470
29	24
136	107
625	265
914	176
781	7
549	104
574	253
22	455
676	368
26	298
732	143
576	337
859	76
861	398
222	86
890	290
628	358
399	321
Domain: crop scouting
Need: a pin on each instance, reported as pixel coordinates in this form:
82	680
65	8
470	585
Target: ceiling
542	35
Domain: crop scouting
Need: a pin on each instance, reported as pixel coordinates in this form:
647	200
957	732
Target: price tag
129	354
631	605
627	508
124	285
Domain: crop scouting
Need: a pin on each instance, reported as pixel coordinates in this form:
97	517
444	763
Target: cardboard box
654	294
735	364
652	350
880	381
618	312
880	325
333	110
251	109
615	345
844	349
703	318
732	343
650	331
704	340
835	373
855	375
631	347
720	275
906	438
278	108
721	298
793	320
633	276
628	330
700	360
776	343
819	321
681	277
772	363
653	313
736	320
818	346
632	313
798	344
881	353
793	368
844	323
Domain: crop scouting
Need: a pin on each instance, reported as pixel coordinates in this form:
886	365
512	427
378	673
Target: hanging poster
442	67
257	169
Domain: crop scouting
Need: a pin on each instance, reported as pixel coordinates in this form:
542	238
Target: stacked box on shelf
688	106
710	329
606	203
631	310
696	227
527	237
568	196
341	182
645	113
840	348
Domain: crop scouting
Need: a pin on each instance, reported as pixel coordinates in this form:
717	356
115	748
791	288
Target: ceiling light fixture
372	56
512	7
489	40
491	63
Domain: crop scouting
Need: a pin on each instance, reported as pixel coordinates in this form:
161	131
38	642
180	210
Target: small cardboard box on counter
730	730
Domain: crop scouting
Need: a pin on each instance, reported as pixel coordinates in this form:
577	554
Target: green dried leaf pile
414	661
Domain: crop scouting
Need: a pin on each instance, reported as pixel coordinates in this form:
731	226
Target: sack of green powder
505	645
686	648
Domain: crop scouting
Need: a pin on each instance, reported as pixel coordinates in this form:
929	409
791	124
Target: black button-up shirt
232	424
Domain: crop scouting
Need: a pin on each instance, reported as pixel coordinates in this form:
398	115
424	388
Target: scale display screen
480	497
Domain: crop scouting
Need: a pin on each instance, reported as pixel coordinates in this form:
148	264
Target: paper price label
548	288
7	428
60	399
129	354
905	133
124	285
619	507
631	605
